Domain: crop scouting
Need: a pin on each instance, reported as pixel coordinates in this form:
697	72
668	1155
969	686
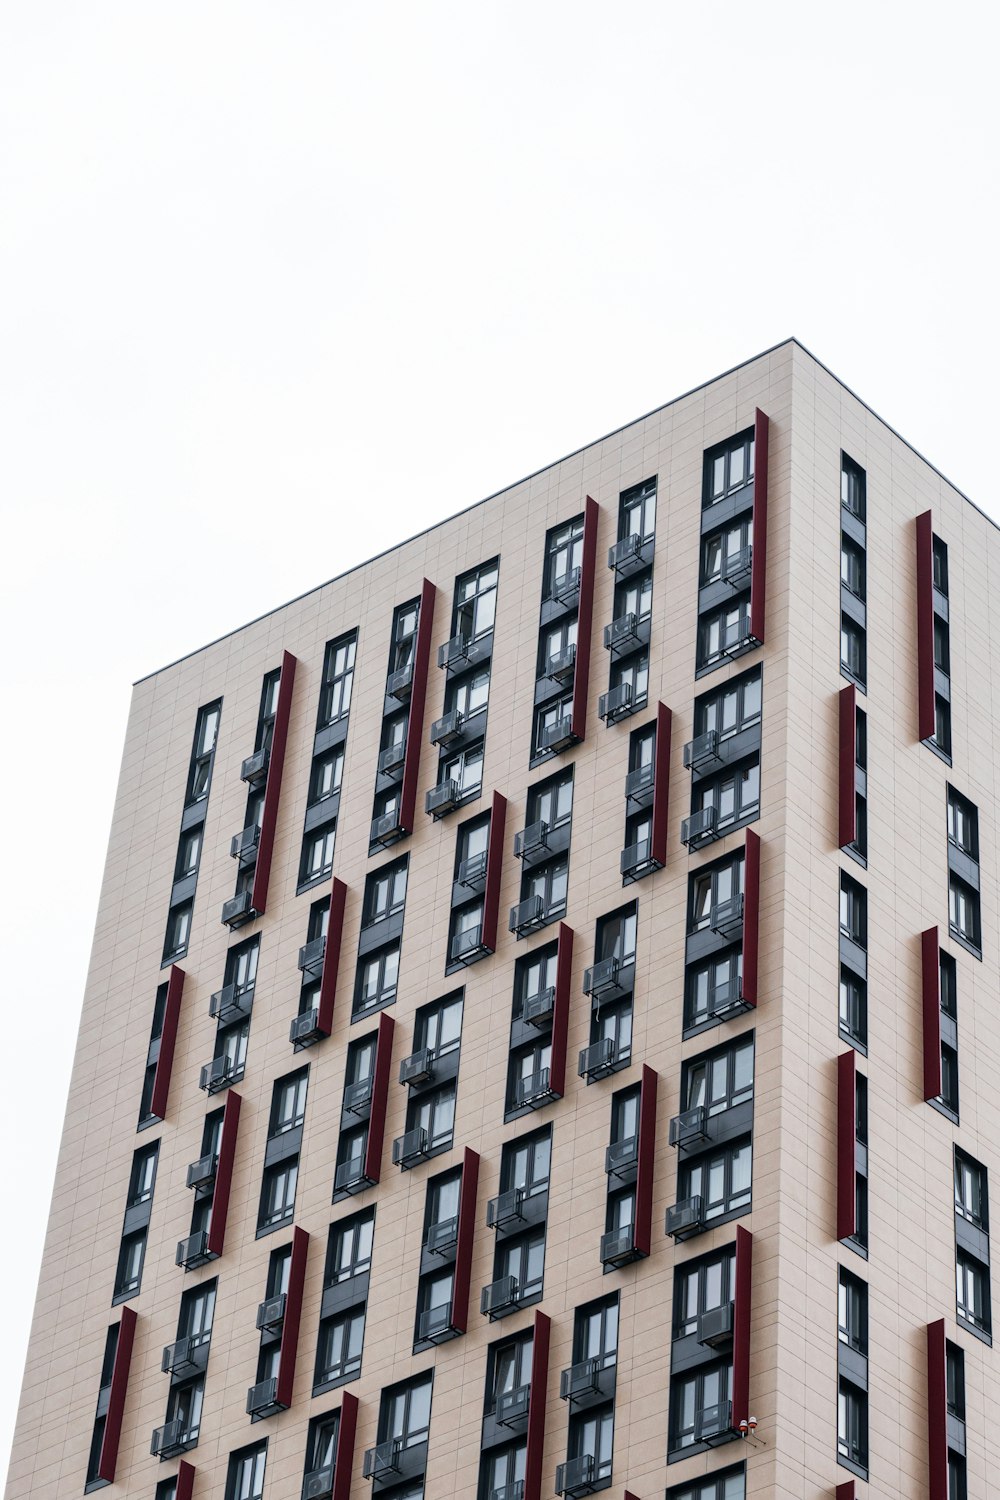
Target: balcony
448	729
618	1247
566	588
472	872
527	915
599	1060
441	799
737	569
466	947
701	828
399	685
714	1424
500	1298
621	1159
271	1313
387	829
726	919
350	1176
262	1400
194	1251
558	736
238	911
391	760
311	956
603	980
581	1385
219	1074
561	667
622	635
442	1238
418	1068
537	1009
231	1003
615	704
358	1097
173	1438
577	1477
625	557
639	786
382	1461
727	1001
512	1408
411	1149
455	654
254	769
637	861
188	1356
243	846
715	1326
689	1130
434	1326
702	751
201	1173
506	1209
535	1090
318	1484
686	1218
305	1030
532	842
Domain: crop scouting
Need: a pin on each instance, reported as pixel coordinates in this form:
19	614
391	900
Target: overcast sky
355	266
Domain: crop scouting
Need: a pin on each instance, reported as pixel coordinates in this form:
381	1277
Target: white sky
355	266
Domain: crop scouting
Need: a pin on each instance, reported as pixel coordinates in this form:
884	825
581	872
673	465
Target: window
616	936
949	986
712	888
731	709
635	673
721	632
511	1368
551	801
729	1485
184	1405
241	966
699	1405
143	1176
554	642
728	467
406	1412
712	988
613	1023
128	1278
853	1008
476	602
963	824
973	1291
188	854
852	1311
341	1341
197	1313
349	1251
721	1079
853	650
277	1198
469	695
178	931
721	1179
465	769
955	1380
593	1433
852	1425
338	679
321	1446
637	511
852	567
635	598
404	636
595	1332
526	1164
317	852
435	1114
376	982
701	1286
971	1199
205	736
438	1027
351	1151
734	795
505	1467
549	881
385	892
246	1473
942	724
166	1489
231	1045
441	1207
853	485
524	1260
548	717
963	912
726	553
533	975
327	776
853	911
957	1489
942	653
565	554
939	553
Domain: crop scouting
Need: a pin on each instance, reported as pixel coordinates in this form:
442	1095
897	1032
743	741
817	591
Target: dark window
406	1412
246	1473
852	1311
277	1197
942	652
861	739
376	981
533	975
288	1102
469	695
524	1260
550	881
548	717
852	1424
720	1178
404	636
551	801
701	1286
338	679
710	888
465	769
720	1079
385	892
564	553
963	912
730	709
341	1342
321	1444
592	1433
721	631
852	567
853	485
939	553
438	1027
955	1380
434	1113
861	1108
503	1470
971	1197
142	1179
128	1277
526	1163
729	1485
476	602
166	1489
735	794
197	1313
699	1404
853	911
853	1007
942	724
637	511
441	1206
711	987
178	931
634	672
853	650
728	467
241	966
725	553
327	776
616	936
511	1368
957	1486
349	1250
963	824
949	986
973	1291
188	854
317	852
203	752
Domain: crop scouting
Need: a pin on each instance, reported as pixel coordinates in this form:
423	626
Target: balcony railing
599	1060
639	786
185	1357
561	667
500	1297
442	798
254	769
243	846
358	1096
447	729
726	918
194	1250
201	1173
512	1407
701	828
532	841
505	1209
625	557
410	1149
603	980
637	860
737	568
305	1030
442	1237
391	760
689	1128
262	1399
382	1460
615	704
386	829
577	1476
219	1073
566	588
714	1424
238	911
271	1312
621	1159
715	1326
537	1009
173	1438
558	736
435	1324
350	1176
702	751
417	1068
311	956
686	1218
618	1246
231	1003
534	1090
622	635
399	685
527	915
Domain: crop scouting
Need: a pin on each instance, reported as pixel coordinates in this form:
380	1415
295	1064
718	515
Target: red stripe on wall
272	788
293	1314
661	785
380	1098
343	1464
585	618
224	1172
560	1011
937	1412
758	560
847	760
418	695
494	871
930	965
185	1480
331	957
925	627
116	1399
751	916
168	1040
741	1325
846	1137
466	1234
536	1407
646	1155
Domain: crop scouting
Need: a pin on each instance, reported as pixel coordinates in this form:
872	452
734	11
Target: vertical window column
192	834
465	659
327	770
933	640
853	776
401	736
853	572
626	639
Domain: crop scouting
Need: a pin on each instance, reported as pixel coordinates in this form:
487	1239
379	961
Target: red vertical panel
380	1098
847	758
925	628
343	1464
930	964
331	957
661	785
293	1314
494	870
741	1326
846	1137
185	1480
466	1233
585	618
272	789
758	561
560	1011
937	1412
846	1491
751	916
224	1173
646	1155
168	1039
536	1407
415	721
116	1399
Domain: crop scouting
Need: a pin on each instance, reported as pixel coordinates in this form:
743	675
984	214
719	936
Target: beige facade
794	1332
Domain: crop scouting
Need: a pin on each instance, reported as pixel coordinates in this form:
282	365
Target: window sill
265	1229
974	1329
935	749
372	1010
322	1386
964	943
944	1109
856	1246
312	881
848	1463
853	1041
859	682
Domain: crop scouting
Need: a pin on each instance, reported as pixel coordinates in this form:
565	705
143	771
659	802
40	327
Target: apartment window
438	1026
942	724
957	1487
469	695
565	554
963	912
551	801
637	511
633	672
853	1008
321	1444
511	1368
128	1278
971	1199
853	485
725	553
720	1080
350	1247
616	936
731	709
327	776
441	1207
526	1164
178	931
184	1406
852	567
404	636
720	1178
712	988
942	654
955	1380
288	1105
852	1426
341	1341
198	1313
524	1260
853	650
712	888
188	854
735	795
433	1113
246	1473
533	975
504	1471
699	1405
593	1433
963	824
548	717
702	1286
465	769
476	602
317	852
338	679
406	1413
143	1176
550	882
203	752
728	467
385	893
973	1291
939	554
376	982
853	911
277	1199
852	1312
730	1485
553	642
722	632
166	1489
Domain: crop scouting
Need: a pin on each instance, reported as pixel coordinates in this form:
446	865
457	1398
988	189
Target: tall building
541	1032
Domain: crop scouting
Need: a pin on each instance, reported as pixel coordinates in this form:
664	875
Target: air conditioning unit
526	915
690	1128
262	1398
534	1090
305	1030
598	1060
625	557
561	667
454	652
318	1484
179	1358
447	729
391	760
701	828
531	840
409	1149
399	685
615	704
229	1004
621	634
505	1208
576	1477
442	1237
271	1312
358	1096
467	946
603	979
384	1459
254	769
238	911
558	736
243	845
703	750
715	1326
311	957
636	861
512	1406
201	1173
194	1251
350	1176
685	1218
386	829
639	785
499	1297
538	1008
442	798
580	1381
472	872
417	1068
621	1159
618	1246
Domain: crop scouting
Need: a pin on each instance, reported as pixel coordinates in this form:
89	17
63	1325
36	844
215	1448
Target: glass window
593	1434
853	911
377	978
732	709
470	694
178	931
712	987
955	1380
350	1247
188	854
721	1179
972	1291
942	650
327	776
729	1485
853	1007
385	892
434	1113
341	1342
476	602
202	754
852	1311
289	1105
278	1194
526	1163
963	824
246	1474
338	679
465	769
699	1405
317	852
970	1190
637	511
963	911
852	1424
735	796
720	1079
852	487
942	724
143	1176
565	554
551	801
439	1026
702	1286
852	567
616	936
406	1413
130	1258
524	1260
511	1367
939	554
853	649
729	467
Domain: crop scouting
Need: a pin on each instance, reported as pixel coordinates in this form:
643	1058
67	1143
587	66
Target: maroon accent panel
661	785
272	788
585	620
930	964
293	1313
168	1039
536	1407
741	1326
925	628
343	1463
937	1412
224	1173
466	1233
758	558
331	957
846	1136
646	1155
185	1480
116	1399
494	870
751	916
380	1098
415	721
846	1491
847	759
560	1011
